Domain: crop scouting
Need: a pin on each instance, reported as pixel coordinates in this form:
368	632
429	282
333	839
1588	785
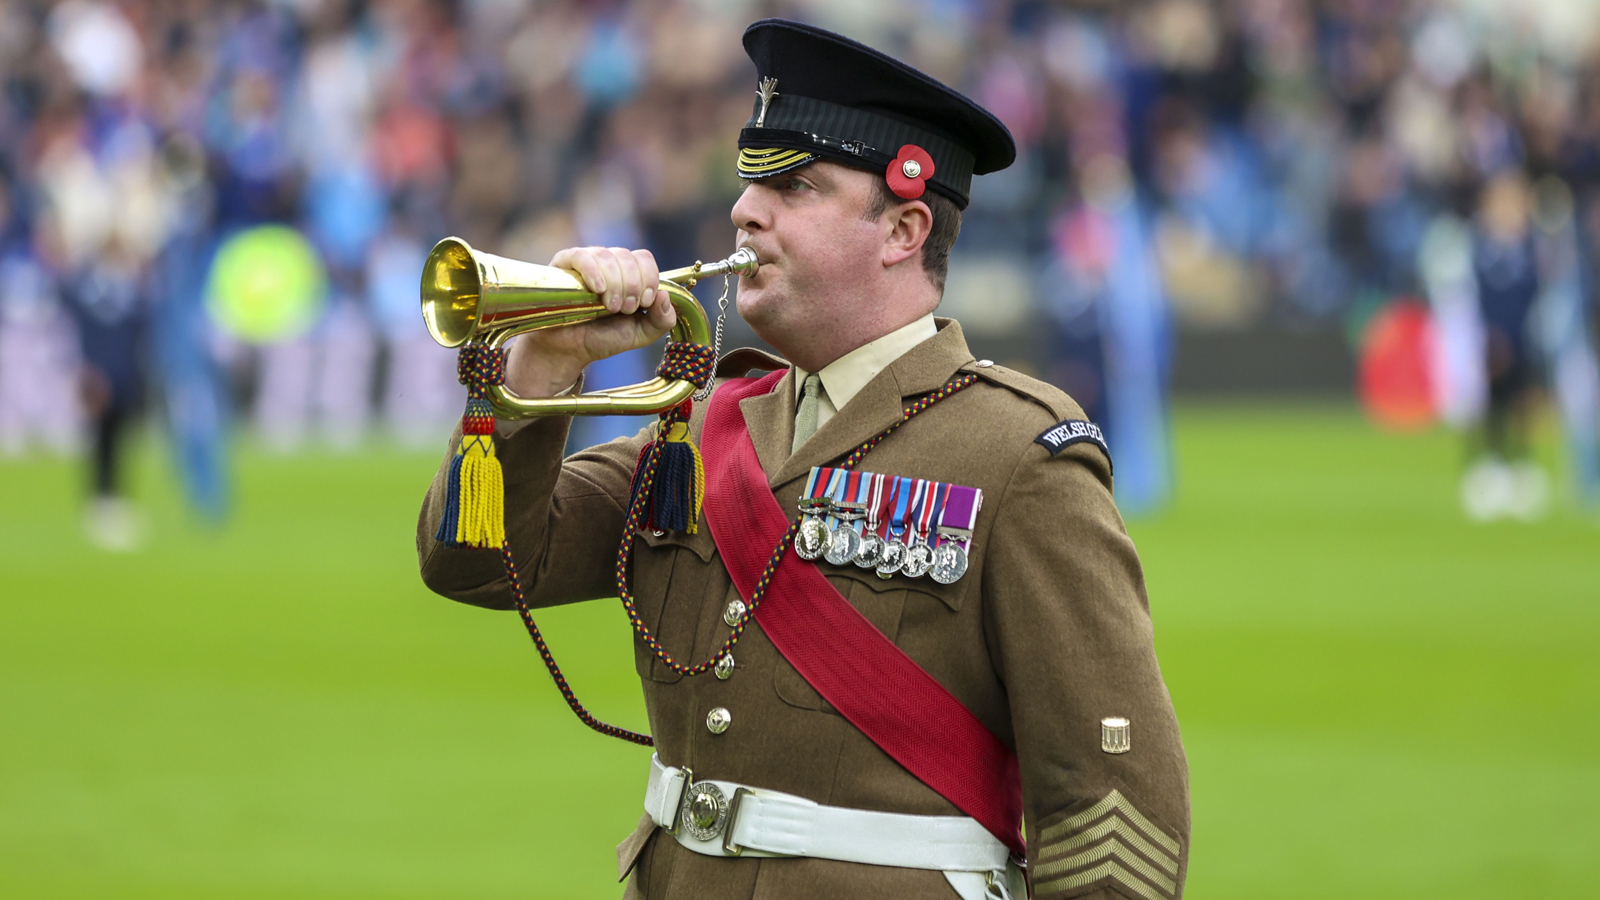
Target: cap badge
768	89
909	172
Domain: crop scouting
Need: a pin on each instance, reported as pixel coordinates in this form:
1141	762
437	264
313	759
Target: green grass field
1378	699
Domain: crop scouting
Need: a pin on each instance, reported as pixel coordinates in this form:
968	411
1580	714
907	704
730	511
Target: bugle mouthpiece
743	262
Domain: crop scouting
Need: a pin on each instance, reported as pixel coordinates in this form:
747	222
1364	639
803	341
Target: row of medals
841	545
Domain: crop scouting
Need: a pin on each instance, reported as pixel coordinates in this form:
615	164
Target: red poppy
908	174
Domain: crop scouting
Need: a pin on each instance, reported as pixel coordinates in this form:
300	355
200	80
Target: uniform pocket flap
951	595
700	543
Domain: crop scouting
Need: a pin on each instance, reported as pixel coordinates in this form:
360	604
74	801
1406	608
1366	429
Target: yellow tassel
699	490
482	522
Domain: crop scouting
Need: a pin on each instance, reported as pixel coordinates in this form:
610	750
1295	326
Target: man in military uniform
857	168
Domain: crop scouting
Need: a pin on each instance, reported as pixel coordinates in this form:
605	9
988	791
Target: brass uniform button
733	613
984	363
718	720
724	667
911	168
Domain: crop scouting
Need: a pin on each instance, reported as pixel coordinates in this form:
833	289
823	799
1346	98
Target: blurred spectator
1563	328
1445	265
1506	481
110	306
100	251
191	380
1112	316
38	403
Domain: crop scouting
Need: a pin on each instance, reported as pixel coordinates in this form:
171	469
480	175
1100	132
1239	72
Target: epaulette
1054	400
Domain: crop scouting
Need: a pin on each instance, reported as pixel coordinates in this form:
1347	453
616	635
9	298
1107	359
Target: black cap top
821	94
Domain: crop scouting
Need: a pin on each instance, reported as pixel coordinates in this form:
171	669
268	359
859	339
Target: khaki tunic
1048	633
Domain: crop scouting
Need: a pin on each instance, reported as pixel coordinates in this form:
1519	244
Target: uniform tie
805	420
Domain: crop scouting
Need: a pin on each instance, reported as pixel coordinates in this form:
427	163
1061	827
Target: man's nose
750	212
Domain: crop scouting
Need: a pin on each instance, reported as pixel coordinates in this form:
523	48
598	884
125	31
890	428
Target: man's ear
909	226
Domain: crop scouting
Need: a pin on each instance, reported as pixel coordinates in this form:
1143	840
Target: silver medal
812	539
949	563
892	558
870	551
843	545
919	559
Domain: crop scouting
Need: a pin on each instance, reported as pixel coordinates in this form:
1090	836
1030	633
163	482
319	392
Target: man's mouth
763	258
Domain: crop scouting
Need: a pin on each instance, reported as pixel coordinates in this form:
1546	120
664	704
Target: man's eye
795	184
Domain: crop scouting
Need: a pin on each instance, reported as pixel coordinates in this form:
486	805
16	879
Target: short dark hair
941	237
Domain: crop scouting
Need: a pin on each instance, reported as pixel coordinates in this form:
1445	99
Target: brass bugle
469	295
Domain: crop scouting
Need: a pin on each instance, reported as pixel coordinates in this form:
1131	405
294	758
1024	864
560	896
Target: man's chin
763	315
756	305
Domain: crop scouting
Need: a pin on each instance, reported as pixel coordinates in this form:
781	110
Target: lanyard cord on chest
639	506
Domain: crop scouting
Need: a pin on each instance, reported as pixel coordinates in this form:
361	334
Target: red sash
868	679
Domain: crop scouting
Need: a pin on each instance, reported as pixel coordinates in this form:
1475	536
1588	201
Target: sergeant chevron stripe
1128	835
1096	853
1114	841
1110	870
1113	801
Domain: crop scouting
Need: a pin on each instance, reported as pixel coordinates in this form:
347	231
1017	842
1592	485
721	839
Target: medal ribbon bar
901	503
908	526
932	502
834	493
882	504
960	515
859	493
811	498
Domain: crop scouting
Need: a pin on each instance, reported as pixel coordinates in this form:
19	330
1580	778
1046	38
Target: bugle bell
468	295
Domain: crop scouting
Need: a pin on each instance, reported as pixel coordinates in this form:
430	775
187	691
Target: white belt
723	818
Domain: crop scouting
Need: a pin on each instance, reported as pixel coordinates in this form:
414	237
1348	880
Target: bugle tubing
469	295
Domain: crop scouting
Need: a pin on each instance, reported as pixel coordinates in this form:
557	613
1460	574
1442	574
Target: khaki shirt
844	378
1048	633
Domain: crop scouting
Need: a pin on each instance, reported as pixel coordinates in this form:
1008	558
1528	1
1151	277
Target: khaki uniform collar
843	378
876	406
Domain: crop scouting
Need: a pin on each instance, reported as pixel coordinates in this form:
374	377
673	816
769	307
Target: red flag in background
1395	379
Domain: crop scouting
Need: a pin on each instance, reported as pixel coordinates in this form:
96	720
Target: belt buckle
728	846
677	808
703	811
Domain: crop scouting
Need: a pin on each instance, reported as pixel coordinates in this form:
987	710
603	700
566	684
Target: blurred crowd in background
1425	172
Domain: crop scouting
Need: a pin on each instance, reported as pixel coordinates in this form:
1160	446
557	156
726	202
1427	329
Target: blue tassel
680	480
451	517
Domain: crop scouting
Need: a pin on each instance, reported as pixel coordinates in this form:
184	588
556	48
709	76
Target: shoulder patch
1064	434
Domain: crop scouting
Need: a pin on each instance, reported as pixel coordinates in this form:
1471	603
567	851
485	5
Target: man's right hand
544	363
